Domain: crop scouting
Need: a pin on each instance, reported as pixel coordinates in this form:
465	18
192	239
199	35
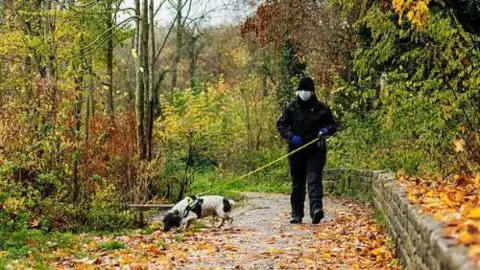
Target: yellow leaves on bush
455	202
12	43
199	114
416	10
14	204
398	5
239	57
219	119
459	145
221	86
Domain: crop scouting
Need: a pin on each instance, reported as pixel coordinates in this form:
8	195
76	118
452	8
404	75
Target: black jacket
305	119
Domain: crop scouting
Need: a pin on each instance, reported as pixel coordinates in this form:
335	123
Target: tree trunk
77	119
146	69
178	49
151	86
78	123
139	91
192	55
144	44
109	17
88	105
131	77
50	35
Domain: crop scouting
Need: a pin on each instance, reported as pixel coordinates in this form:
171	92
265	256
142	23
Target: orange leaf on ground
474	251
466	238
453	201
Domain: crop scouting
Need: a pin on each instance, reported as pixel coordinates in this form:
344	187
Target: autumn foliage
415	11
97	112
454	202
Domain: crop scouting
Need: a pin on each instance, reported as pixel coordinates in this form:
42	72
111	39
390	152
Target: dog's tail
232	202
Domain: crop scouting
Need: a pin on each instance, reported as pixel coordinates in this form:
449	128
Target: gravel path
262	238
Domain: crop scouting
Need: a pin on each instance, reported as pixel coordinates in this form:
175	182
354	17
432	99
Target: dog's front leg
185	224
188	220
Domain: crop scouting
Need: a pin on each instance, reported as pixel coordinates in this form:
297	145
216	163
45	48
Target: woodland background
101	105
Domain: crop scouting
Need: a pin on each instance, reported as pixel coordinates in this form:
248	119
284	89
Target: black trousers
306	167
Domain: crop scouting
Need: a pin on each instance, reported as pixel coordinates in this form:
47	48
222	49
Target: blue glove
296	140
323	133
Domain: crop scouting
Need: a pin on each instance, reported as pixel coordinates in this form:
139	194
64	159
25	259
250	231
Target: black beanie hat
306	84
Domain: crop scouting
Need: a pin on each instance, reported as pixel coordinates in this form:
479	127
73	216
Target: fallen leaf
466	238
475	213
477	179
474	251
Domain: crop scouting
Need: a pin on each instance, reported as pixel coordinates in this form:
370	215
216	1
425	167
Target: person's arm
330	125
284	123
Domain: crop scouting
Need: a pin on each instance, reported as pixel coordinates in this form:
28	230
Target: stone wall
418	238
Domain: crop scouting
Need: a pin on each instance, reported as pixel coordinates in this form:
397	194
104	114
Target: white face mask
304	95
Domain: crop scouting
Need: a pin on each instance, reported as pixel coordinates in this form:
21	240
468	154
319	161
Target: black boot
295	220
317	216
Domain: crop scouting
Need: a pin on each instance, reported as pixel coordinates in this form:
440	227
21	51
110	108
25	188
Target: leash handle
263	167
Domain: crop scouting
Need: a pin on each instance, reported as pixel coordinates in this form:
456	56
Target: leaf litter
260	238
452	201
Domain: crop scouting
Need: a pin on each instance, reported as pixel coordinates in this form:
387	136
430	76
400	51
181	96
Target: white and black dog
190	209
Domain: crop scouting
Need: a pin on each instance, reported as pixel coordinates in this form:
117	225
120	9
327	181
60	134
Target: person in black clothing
303	120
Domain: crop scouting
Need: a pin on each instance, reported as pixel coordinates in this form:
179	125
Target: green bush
105	212
17	201
41	204
366	144
224	131
409	95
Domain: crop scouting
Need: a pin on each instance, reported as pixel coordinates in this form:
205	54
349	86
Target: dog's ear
200	200
176	212
166	217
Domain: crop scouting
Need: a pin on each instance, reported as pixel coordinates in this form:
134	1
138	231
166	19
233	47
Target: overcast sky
217	11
